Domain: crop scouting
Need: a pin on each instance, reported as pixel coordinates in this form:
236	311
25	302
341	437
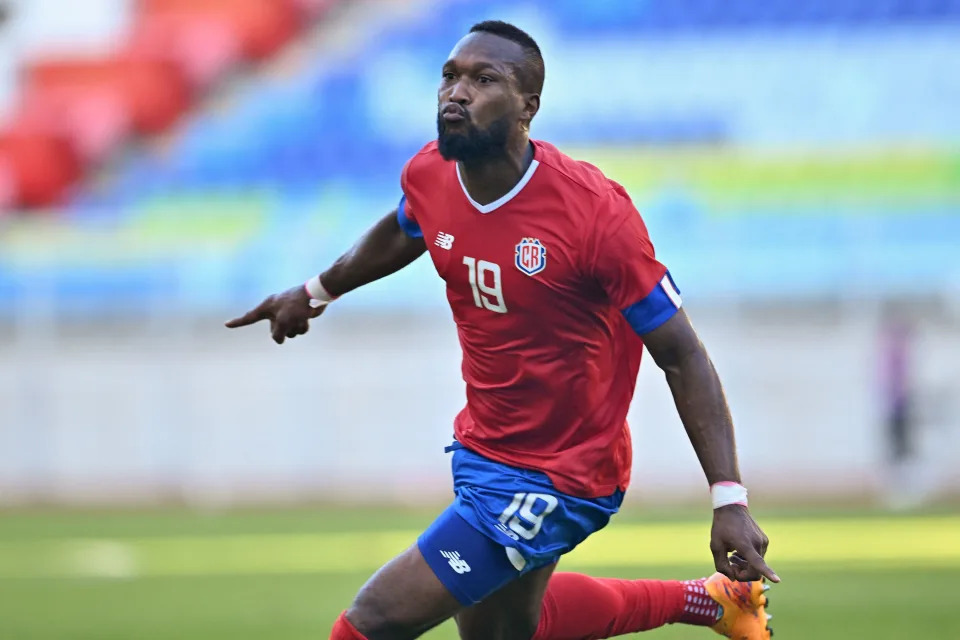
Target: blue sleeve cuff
660	305
410	227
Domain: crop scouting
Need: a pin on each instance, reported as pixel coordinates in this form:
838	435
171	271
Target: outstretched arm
384	249
703	410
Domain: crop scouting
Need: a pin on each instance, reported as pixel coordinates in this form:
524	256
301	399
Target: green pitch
287	574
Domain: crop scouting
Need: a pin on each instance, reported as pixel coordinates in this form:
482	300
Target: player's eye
484	79
448	75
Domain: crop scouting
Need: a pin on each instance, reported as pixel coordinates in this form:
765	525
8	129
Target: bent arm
384	249
698	395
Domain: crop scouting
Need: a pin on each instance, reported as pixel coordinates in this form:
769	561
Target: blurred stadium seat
38	165
202	46
260	27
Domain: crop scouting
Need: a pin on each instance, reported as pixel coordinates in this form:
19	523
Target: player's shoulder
428	152
601	201
579	177
427	158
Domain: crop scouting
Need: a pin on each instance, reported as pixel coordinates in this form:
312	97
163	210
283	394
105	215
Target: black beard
474	145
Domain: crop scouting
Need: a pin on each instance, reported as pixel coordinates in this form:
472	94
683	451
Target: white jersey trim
507	197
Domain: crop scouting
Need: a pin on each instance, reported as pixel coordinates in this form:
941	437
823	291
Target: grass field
286	574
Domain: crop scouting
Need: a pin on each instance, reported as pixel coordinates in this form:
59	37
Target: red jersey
551	287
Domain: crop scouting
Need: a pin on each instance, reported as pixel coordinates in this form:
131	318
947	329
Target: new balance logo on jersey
444	241
457	563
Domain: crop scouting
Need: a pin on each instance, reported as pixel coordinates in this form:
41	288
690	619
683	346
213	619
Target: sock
343	630
699	608
578	607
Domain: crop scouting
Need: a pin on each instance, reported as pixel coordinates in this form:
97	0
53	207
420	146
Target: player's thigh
402	600
452	566
511	613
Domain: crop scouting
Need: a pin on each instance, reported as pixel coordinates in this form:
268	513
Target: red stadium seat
154	93
94	119
40	167
203	47
8	186
262	26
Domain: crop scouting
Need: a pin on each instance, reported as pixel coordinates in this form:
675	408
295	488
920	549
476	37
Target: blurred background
164	164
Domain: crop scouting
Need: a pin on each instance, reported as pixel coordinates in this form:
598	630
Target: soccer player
555	289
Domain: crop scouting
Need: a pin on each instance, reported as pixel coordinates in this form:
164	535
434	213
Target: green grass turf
286	574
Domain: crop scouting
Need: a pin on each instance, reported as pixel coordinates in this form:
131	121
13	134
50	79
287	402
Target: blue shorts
503	523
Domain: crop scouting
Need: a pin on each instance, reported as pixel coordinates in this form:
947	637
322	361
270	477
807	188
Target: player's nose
459	94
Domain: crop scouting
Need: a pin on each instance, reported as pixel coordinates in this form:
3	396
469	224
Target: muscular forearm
382	250
703	409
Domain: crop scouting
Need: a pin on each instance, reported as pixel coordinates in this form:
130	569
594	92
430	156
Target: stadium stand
756	136
323	125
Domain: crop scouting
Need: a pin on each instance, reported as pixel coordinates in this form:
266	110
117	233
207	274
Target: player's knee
377	620
514	633
510	626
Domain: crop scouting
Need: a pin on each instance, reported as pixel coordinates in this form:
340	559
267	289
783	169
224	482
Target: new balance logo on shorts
457	563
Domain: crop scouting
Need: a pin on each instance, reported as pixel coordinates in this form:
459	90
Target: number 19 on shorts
485	296
521	516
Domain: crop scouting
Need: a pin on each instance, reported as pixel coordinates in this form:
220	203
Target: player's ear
531	105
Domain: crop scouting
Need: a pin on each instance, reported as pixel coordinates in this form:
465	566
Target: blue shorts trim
503	523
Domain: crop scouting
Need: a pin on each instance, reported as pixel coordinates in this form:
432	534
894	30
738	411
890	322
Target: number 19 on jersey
485	296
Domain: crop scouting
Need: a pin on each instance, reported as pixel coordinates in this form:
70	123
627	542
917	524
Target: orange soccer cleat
744	608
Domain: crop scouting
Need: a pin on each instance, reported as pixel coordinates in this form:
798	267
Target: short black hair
532	74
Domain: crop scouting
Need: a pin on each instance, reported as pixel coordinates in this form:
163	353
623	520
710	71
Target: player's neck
490	180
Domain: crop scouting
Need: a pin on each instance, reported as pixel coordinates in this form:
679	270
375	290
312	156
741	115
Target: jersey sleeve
620	257
405	215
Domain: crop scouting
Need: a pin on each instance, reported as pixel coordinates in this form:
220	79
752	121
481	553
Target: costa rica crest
531	256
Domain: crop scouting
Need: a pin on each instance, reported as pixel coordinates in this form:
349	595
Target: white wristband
724	493
319	296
